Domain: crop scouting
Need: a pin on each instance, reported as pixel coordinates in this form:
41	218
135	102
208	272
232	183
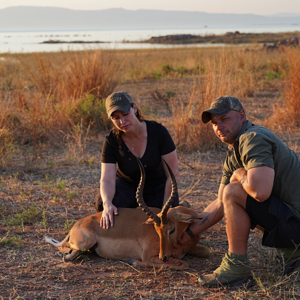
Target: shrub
87	72
13	242
90	72
29	215
89	110
167	69
182	71
62	90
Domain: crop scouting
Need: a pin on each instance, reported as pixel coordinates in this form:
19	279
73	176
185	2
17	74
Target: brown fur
135	237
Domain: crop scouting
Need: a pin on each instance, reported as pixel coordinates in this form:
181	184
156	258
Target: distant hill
287	15
49	18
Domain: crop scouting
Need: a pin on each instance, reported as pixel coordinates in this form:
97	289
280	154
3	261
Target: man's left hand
183	239
238	174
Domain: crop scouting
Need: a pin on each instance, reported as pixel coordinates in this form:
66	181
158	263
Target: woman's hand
107	218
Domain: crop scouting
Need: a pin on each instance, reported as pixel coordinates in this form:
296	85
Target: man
260	187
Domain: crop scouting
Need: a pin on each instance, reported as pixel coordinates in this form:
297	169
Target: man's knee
234	193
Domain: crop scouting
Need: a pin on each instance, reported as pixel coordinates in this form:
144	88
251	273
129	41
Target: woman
133	137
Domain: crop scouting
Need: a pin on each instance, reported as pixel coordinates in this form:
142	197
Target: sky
259	7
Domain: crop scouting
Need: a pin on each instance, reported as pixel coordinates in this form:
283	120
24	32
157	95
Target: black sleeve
110	149
166	143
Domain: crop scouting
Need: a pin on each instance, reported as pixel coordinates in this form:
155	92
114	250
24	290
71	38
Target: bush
87	72
89	111
91	72
167	69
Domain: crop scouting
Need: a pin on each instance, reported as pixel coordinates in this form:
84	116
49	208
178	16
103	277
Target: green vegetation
12	242
230	38
29	215
68	225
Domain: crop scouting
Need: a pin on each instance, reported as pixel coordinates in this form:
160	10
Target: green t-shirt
257	146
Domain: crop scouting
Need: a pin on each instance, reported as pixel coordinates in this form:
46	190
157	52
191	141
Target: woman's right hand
107	218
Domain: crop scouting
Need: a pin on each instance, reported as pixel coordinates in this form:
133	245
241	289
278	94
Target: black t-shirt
159	142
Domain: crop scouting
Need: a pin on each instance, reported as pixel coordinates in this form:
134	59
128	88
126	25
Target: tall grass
87	72
230	74
43	97
51	98
289	111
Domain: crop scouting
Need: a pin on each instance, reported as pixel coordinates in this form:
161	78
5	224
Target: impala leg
72	255
64	249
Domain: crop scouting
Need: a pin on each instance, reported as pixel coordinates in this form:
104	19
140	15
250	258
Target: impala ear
150	221
186	218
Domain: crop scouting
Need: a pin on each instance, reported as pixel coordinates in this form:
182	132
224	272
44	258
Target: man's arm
211	215
257	182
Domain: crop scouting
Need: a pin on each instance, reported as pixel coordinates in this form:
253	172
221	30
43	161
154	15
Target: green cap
222	106
118	101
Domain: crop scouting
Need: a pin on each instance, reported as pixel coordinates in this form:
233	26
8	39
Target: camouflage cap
222	106
118	101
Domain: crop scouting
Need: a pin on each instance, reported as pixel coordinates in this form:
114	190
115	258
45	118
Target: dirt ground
63	192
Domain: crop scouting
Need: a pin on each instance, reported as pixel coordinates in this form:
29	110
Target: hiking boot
234	271
290	258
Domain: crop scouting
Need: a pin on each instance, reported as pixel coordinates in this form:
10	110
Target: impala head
169	223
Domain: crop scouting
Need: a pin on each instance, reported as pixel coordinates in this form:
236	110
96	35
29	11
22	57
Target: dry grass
50	96
45	96
52	125
88	72
231	73
47	200
288	113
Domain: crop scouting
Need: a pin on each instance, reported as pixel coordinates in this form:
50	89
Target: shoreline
234	37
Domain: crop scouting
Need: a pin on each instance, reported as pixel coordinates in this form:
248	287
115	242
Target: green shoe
234	271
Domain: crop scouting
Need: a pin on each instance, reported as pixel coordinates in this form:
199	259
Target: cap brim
206	115
124	108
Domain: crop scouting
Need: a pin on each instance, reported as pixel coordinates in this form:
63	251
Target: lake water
32	41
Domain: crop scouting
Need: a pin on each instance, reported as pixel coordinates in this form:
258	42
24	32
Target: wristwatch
190	232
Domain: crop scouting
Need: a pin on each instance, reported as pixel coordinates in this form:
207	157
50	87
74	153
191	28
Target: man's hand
238	175
256	182
183	239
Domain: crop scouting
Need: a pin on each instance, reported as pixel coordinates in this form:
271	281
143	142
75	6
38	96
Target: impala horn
172	196
140	198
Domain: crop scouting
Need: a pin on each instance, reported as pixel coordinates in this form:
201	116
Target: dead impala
144	241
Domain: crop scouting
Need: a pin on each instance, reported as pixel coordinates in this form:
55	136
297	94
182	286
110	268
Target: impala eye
172	231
